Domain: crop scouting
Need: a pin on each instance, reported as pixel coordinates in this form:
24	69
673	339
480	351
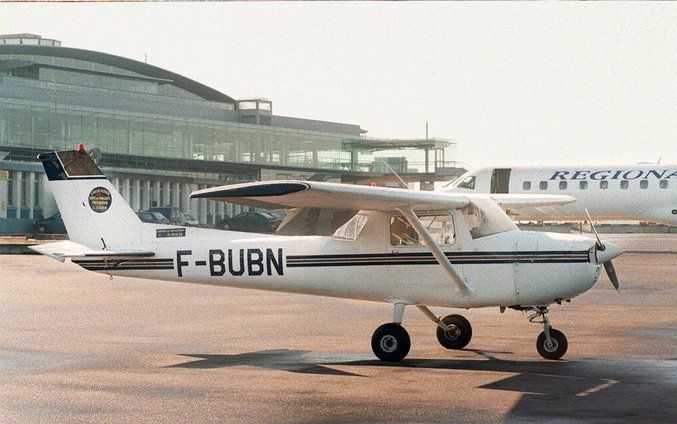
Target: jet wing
68	249
315	194
516	201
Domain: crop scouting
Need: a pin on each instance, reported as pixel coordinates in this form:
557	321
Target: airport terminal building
159	135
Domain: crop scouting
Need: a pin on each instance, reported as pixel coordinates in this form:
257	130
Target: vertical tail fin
93	211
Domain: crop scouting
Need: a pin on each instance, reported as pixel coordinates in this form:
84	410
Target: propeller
606	255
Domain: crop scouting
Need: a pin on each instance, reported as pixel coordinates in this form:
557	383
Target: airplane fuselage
629	192
506	269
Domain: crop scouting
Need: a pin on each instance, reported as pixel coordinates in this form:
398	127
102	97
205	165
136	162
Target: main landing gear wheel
554	348
390	342
458	335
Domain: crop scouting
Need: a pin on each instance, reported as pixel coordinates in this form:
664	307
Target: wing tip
255	189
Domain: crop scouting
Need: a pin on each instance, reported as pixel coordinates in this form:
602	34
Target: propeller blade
611	272
600	246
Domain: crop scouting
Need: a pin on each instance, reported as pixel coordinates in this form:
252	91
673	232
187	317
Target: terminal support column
136	195
145	202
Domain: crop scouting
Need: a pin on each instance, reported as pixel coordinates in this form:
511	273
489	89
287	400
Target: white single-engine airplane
389	245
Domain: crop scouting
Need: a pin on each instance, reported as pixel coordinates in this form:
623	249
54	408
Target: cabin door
500	180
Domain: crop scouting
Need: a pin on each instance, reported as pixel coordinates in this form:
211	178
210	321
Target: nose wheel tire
390	342
557	346
459	334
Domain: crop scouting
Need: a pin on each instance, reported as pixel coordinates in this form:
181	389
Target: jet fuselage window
563	185
663	184
583	185
644	184
526	185
468	182
625	184
543	185
440	227
604	184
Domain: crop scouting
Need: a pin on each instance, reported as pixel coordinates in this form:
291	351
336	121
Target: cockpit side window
440	227
468	182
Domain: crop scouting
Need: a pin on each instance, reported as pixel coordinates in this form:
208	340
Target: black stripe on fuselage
125	264
92	261
126	268
424	258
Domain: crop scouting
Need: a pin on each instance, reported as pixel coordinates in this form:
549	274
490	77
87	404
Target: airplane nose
610	251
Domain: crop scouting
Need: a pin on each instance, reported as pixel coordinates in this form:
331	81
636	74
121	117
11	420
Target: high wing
312	194
516	201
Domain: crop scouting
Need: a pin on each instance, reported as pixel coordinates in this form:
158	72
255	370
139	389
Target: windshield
468	182
484	218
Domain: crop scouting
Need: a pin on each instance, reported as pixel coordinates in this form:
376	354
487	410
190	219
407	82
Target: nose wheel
551	343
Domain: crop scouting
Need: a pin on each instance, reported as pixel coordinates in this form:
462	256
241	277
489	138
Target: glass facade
59	126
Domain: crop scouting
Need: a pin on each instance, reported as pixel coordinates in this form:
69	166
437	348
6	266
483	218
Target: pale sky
512	83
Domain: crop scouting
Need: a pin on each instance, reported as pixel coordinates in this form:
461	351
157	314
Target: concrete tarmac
78	347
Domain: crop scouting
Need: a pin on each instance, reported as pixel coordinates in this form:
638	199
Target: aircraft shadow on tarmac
606	390
277	359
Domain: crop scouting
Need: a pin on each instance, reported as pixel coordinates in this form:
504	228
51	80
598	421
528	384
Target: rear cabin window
583	185
563	185
604	184
625	184
468	182
663	184
543	185
440	227
352	228
526	185
644	184
484	218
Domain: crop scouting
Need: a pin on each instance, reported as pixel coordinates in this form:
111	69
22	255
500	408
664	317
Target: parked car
189	220
175	216
152	217
252	222
51	225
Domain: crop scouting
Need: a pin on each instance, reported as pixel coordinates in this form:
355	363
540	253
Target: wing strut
437	251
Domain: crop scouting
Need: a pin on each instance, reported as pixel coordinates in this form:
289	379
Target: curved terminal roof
142	68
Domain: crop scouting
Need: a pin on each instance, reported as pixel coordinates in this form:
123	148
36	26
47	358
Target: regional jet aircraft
628	192
403	247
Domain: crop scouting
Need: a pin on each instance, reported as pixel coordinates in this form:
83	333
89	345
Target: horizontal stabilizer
68	249
315	194
516	201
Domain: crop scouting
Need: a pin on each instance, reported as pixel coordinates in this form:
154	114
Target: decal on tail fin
93	211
